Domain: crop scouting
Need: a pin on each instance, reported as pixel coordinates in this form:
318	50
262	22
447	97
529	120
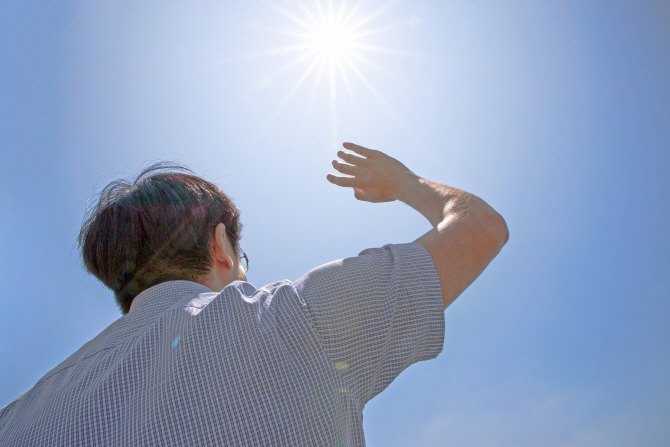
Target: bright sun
329	43
327	35
332	41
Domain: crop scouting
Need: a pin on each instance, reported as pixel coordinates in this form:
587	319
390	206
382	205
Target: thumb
361	195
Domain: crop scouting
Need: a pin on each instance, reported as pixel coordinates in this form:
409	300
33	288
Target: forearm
442	205
467	233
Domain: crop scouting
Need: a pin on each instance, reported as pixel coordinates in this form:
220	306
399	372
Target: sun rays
331	40
328	45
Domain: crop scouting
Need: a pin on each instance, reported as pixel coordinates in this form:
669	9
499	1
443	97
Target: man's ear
220	247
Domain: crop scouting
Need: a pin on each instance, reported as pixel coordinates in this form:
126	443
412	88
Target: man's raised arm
467	233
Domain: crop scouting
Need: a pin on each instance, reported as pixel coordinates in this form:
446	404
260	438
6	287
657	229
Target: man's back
288	364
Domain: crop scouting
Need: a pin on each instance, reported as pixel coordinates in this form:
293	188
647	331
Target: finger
347	182
351	159
365	152
346	169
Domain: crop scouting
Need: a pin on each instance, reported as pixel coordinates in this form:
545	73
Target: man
201	357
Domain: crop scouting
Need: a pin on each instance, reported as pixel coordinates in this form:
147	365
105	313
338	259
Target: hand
375	176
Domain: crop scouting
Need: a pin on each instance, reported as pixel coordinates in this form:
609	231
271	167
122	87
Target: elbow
497	228
492	225
503	229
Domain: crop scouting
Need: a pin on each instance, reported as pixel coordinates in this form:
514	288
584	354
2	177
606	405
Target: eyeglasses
245	262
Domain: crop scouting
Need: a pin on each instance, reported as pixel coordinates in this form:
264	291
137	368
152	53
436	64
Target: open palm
374	175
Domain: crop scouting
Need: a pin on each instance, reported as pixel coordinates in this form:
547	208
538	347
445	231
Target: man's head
162	226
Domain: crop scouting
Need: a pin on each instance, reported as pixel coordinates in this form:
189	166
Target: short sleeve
376	314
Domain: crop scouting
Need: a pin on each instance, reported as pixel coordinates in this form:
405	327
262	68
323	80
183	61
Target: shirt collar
164	295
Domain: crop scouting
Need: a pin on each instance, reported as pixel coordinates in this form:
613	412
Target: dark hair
153	229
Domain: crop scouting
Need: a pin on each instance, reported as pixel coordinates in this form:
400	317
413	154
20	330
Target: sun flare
330	42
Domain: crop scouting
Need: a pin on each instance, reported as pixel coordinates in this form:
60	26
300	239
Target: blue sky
557	113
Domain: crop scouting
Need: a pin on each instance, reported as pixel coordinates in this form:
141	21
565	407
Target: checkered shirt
289	364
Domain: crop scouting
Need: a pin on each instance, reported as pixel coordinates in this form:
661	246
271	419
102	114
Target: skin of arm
467	233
